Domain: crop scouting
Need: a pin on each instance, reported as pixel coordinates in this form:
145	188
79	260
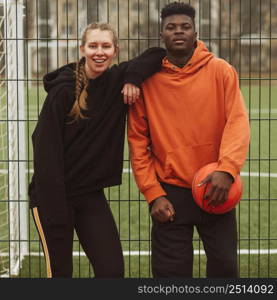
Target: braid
81	85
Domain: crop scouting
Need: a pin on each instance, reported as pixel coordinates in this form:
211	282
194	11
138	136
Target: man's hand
219	187
130	93
162	210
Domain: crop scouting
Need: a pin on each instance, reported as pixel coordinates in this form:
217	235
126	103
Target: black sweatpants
94	224
172	247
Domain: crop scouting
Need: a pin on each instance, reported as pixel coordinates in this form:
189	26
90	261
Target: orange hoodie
187	118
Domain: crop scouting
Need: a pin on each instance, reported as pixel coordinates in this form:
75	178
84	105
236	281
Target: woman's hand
130	93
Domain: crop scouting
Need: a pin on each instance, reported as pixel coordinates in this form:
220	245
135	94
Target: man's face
178	34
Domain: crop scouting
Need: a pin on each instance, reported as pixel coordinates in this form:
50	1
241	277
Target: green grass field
256	213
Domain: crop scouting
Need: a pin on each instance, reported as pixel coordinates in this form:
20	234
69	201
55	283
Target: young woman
78	151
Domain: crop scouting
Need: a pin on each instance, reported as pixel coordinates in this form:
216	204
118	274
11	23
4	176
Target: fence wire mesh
39	36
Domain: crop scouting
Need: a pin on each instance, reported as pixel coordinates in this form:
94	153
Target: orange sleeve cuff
153	192
228	167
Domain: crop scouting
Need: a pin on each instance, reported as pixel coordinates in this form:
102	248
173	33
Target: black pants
94	224
172	247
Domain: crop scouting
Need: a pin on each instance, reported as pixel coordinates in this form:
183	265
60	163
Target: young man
192	113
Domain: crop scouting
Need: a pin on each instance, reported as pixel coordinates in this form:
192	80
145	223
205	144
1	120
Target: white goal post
13	191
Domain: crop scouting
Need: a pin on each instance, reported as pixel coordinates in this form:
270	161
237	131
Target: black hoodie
75	158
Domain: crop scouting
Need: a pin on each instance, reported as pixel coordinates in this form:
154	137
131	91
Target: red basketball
198	192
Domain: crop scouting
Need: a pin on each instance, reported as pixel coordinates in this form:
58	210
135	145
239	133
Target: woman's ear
82	50
116	52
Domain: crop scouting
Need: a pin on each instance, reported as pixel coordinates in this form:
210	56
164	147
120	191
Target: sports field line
263	111
257	174
148	253
126	171
245	174
33	109
196	252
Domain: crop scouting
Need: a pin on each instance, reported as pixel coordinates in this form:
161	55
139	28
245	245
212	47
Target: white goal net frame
13	171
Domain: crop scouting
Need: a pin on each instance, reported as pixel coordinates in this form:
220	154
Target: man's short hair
178	8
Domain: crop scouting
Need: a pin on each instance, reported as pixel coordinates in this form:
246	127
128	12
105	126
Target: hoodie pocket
184	162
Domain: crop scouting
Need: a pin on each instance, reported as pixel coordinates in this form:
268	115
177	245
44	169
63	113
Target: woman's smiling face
99	51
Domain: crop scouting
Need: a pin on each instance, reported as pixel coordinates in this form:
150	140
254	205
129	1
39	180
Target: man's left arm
236	135
235	140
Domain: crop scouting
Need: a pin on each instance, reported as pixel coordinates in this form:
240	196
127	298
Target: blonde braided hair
81	84
82	80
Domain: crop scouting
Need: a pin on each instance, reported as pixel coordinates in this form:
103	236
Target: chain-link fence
38	36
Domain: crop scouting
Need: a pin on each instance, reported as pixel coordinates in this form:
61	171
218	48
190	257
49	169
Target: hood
63	75
200	57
